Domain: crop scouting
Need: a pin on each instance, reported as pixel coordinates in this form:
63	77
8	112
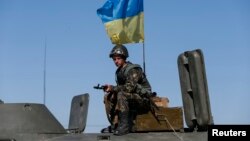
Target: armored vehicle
34	122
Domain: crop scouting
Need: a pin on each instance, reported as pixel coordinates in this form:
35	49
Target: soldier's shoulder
133	68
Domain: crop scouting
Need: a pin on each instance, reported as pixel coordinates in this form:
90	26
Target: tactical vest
121	75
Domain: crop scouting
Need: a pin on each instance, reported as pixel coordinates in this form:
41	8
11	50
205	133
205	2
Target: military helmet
119	50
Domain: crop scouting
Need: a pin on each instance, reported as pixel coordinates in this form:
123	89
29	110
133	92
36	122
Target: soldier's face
119	61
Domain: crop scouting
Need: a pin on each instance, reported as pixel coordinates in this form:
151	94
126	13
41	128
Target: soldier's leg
110	102
123	110
135	106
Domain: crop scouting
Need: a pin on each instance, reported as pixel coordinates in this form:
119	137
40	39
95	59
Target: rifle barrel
99	87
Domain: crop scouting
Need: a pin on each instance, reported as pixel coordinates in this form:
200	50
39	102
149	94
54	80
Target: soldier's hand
107	88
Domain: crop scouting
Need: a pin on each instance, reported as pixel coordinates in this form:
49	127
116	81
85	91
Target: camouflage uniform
129	93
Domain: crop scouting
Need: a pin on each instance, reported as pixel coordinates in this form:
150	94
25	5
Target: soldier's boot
109	129
123	125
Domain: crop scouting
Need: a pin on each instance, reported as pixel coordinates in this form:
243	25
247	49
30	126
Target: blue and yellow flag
123	20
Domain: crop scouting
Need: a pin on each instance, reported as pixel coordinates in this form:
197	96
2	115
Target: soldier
128	95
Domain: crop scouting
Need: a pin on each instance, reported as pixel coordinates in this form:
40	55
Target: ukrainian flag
123	20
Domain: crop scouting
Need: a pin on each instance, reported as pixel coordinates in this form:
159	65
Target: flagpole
144	64
44	72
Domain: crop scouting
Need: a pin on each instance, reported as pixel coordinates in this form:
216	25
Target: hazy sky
78	49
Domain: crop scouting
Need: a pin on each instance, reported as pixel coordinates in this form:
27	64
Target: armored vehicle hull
34	122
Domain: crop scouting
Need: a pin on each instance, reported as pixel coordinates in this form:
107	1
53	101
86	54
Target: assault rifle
102	87
147	95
